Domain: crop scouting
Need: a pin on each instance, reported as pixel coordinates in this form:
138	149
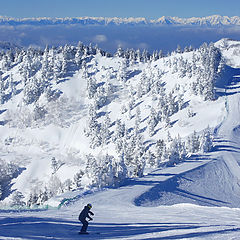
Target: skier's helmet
89	205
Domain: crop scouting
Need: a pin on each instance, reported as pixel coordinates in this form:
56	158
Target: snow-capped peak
215	20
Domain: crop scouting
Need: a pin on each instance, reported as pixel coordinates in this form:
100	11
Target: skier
82	217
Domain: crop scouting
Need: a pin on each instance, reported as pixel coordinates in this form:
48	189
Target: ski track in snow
229	133
134	211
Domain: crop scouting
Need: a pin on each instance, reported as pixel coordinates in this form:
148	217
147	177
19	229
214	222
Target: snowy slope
117	217
223	172
32	142
136	210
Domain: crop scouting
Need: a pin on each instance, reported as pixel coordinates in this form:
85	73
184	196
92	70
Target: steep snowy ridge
215	20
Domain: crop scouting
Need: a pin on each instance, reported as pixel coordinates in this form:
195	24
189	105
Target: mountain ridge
214	20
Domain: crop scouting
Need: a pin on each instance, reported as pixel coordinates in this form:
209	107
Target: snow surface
197	199
64	137
117	217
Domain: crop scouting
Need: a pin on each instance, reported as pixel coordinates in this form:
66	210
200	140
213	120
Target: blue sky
118	8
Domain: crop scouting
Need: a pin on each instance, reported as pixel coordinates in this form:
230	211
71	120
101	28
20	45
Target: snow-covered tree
32	200
100	97
152	121
193	143
54	164
106	171
150	159
92	170
93	130
7	172
91	87
139	160
121	171
17	200
119	52
79	54
178	50
105	132
206	140
33	90
55	185
78	178
160	151
122	73
2	90
207	72
120	129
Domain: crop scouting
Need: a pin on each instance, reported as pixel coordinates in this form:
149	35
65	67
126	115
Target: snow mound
209	185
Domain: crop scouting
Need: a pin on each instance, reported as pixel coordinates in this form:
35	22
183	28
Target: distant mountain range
215	20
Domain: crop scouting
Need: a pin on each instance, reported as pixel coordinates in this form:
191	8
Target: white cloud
100	38
120	43
143	45
22	34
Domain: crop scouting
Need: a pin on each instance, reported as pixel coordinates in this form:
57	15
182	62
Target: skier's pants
85	225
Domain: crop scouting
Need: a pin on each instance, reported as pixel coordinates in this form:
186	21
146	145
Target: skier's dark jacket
85	214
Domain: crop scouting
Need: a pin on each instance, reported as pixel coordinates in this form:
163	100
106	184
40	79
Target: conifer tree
92	170
93	130
152	121
119	52
160	151
91	87
193	143
77	179
17	199
1	90
121	73
150	159
105	132
206	144
79	54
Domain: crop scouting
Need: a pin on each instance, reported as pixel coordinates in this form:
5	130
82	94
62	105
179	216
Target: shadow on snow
42	228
